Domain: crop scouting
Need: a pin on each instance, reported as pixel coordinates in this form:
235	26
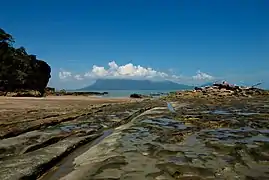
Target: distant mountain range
127	84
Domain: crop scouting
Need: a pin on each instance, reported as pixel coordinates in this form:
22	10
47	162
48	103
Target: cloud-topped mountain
128	84
130	71
69	79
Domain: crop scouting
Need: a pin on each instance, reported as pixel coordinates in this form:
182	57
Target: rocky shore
216	91
178	137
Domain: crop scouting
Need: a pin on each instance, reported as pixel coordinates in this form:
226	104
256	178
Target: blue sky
185	41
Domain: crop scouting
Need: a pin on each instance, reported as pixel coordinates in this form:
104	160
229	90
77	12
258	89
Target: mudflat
168	138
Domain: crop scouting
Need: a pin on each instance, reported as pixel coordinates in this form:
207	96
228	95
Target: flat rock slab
159	145
32	164
40	144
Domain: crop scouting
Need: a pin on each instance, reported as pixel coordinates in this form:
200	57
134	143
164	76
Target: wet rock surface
183	144
223	90
31	146
152	139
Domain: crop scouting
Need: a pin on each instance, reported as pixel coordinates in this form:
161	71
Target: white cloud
113	65
202	76
131	71
64	74
67	75
99	71
125	71
78	77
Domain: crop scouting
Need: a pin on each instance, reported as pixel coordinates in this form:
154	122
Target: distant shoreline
127	93
68	97
95	94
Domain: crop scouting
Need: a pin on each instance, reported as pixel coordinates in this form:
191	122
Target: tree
21	51
5	37
18	70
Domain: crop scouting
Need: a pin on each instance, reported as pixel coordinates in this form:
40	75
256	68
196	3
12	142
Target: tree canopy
18	70
5	37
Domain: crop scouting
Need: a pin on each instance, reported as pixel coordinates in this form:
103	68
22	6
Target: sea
127	93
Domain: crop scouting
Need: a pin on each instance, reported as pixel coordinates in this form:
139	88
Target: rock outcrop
226	89
138	96
19	70
63	92
220	90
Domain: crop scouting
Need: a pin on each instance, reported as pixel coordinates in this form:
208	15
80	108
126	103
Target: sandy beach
16	103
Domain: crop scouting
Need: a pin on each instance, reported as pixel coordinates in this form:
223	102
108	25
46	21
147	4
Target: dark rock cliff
20	71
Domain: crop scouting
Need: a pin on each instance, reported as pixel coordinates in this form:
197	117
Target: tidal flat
167	138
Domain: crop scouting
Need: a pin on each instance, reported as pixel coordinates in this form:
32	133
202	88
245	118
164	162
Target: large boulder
19	70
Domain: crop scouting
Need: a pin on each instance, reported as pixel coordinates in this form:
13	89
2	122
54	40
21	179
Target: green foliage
5	37
18	70
62	91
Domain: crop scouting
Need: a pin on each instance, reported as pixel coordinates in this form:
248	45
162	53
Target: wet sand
55	101
18	114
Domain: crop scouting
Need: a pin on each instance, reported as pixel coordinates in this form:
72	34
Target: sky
189	42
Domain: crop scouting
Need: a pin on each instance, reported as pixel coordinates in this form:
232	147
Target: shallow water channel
66	165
